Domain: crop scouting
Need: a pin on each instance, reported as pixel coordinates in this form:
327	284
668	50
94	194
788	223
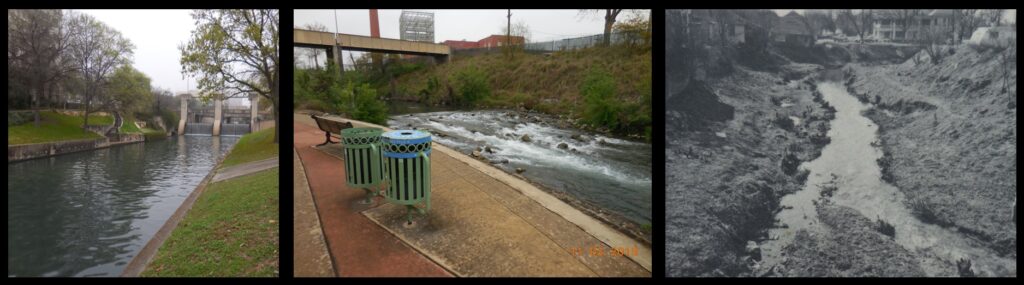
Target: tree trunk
608	22
274	95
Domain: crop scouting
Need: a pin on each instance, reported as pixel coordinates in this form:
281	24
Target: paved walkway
245	169
485	222
311	258
358	246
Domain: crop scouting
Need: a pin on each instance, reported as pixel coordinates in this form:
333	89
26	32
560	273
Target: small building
792	29
992	37
500	40
492	41
891	26
463	44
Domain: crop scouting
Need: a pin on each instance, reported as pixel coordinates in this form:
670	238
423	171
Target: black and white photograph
840	143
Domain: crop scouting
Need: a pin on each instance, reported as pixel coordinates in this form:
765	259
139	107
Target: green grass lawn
129	126
152	134
231	230
252	147
55	127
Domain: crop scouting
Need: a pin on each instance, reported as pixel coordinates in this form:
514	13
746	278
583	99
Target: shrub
361	103
790	164
471	85
885	228
598	91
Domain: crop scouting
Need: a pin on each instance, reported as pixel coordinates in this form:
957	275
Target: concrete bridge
240	120
326	40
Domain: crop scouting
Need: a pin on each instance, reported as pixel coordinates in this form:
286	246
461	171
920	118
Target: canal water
89	213
851	159
613	174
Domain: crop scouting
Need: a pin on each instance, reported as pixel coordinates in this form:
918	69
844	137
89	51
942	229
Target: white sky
156	35
470	25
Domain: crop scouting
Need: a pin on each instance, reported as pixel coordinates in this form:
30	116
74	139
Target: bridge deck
307	38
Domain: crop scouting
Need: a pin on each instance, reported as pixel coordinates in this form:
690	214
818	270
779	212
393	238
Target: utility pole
508	34
337	48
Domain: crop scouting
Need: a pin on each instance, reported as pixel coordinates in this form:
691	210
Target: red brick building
492	41
460	44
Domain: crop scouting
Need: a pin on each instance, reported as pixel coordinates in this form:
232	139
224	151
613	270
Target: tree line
57	58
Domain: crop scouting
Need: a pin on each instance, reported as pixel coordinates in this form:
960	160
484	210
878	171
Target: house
990	37
488	42
891	26
792	29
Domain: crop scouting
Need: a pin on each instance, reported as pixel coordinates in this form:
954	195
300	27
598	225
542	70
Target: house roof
792	24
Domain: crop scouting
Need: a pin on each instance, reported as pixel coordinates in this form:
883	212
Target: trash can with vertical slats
363	167
407	168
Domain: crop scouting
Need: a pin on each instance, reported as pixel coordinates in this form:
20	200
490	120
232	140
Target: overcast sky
470	25
156	35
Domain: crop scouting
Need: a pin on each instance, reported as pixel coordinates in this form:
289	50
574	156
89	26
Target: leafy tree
638	28
130	90
235	52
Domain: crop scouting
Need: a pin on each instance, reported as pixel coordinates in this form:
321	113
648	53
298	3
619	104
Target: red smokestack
374	26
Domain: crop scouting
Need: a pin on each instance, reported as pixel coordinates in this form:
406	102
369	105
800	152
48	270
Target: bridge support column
217	103
184	115
337	58
254	120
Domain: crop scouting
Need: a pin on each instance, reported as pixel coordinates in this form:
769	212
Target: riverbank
608	178
60	132
536	234
949	134
727	169
232	227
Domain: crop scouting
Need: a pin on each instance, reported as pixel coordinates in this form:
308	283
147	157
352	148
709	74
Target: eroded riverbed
849	163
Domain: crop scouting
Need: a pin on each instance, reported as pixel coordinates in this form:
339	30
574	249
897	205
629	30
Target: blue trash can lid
407	136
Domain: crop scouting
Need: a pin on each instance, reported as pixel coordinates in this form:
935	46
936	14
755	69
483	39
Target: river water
89	213
851	158
612	173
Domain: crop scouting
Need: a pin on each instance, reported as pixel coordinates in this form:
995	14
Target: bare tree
860	22
37	45
932	39
992	16
965	22
315	52
609	21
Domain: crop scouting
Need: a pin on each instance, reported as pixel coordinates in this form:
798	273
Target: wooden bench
330	127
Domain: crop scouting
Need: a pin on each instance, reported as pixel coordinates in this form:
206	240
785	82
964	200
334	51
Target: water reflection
89	213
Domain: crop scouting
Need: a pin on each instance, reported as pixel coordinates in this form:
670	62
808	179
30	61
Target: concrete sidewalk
245	169
487	223
311	256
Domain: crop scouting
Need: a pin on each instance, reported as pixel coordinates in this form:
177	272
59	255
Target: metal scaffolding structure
416	26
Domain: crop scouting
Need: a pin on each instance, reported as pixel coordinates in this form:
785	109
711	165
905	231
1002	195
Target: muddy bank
724	179
849	245
949	134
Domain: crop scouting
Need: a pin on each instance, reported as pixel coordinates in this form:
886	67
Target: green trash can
363	167
407	167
